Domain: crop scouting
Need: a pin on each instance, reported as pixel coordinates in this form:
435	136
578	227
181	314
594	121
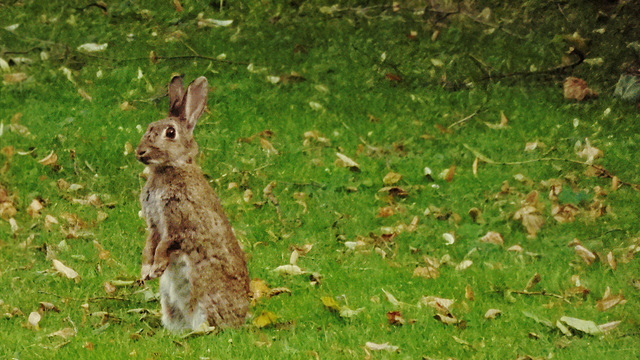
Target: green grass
340	56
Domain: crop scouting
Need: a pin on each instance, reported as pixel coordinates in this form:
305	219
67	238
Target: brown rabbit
191	245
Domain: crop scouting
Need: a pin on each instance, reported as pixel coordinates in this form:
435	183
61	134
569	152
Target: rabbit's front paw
146	272
157	270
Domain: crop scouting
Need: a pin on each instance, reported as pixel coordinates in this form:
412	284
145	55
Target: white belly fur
175	297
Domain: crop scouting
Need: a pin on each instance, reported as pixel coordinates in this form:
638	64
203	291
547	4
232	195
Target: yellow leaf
392	178
330	303
265	319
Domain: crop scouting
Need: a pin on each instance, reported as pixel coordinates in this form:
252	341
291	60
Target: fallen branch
540	293
602	172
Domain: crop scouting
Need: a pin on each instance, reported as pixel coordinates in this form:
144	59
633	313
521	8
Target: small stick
540	293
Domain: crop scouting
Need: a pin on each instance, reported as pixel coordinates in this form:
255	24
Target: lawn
408	181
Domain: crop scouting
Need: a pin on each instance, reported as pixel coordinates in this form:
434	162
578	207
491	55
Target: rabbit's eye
170	133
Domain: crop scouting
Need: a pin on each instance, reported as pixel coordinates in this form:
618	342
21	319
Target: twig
556	69
604	173
490	161
540	293
93	299
177	57
495	26
463	120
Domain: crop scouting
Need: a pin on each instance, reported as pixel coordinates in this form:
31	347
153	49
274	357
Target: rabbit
191	245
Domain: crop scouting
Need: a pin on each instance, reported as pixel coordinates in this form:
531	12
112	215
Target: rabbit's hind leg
175	295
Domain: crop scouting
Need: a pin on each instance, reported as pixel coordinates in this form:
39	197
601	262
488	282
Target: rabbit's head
170	142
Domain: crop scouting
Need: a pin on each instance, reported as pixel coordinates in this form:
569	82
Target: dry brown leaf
609	326
127	106
531	219
381	347
109	288
7	210
608	300
590	153
345	161
47	306
585	254
34	208
49	221
386	211
450	173
516	248
14	78
50	160
428	272
535	279
289	270
65	270
564	213
441	305
492	314
268	146
396	318
65	333
531	146
464	265
493	237
577	89
611	261
391	178
469	294
447	319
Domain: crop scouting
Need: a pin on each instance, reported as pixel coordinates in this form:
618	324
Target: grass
345	59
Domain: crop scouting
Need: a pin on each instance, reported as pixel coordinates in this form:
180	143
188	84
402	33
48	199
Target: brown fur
191	243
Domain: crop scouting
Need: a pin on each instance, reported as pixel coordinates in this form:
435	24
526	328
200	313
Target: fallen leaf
531	146
49	160
85	95
381	347
611	261
391	178
47	306
34	208
492	314
464	265
590	153
585	254
450	173
109	288
449	238
34	320
447	319
265	319
585	326
212	23
65	270
608	301
65	333
516	248
469	294
531	219
535	279
14	78
268	146
628	87
609	326
289	270
577	89
92	47
345	161
428	272
564	213
395	318
493	237
386	211
442	305
390	298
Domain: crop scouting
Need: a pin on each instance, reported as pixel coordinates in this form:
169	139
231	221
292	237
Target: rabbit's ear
176	96
195	101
